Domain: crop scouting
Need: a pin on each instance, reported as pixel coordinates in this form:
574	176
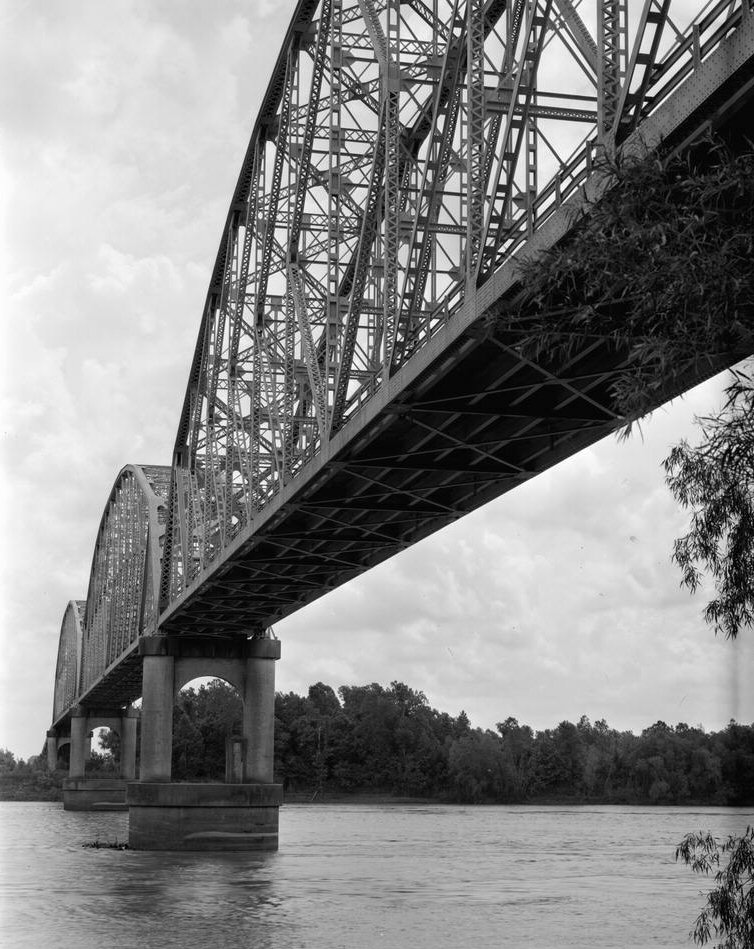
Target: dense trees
392	741
202	719
386	740
372	739
369	739
27	780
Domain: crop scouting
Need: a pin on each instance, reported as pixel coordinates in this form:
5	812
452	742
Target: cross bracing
402	154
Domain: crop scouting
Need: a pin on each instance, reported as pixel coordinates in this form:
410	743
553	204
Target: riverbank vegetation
371	740
388	740
28	780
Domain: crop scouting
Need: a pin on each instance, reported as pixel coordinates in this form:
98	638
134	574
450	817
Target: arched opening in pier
207	712
103	759
63	760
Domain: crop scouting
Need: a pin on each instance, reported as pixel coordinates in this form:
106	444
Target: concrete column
79	742
157	718
234	759
52	750
128	745
88	746
259	710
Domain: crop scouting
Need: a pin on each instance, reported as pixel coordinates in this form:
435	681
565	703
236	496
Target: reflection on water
360	877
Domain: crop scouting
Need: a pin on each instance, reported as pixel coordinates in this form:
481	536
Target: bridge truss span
68	665
99	634
404	153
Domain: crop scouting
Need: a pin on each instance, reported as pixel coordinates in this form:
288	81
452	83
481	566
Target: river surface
361	876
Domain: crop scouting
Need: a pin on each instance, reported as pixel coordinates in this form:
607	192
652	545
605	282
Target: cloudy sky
123	128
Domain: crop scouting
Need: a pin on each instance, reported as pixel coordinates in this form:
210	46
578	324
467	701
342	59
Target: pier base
225	817
94	794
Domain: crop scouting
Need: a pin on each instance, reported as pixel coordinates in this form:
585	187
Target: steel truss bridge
357	383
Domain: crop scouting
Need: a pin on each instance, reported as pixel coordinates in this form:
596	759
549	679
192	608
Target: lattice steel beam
612	43
404	151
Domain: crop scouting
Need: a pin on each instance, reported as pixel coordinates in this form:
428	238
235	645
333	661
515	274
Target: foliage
102	765
660	268
478	771
368	739
716	480
109	742
7	761
389	740
372	739
202	719
729	913
28	780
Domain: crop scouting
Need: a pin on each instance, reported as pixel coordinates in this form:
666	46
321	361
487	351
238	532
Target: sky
123	126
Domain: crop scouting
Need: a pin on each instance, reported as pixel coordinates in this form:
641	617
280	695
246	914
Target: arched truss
122	599
403	150
69	658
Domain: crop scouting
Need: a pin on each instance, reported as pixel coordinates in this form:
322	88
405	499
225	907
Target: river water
360	876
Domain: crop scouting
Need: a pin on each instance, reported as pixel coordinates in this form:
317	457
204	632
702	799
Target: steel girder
403	152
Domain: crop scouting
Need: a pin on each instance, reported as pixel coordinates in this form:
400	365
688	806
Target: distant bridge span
122	599
356	384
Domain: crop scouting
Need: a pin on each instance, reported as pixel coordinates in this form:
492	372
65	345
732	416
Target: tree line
372	739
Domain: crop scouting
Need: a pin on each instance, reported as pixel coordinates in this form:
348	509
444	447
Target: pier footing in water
94	794
229	817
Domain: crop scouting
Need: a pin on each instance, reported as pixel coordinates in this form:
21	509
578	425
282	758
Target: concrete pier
52	750
94	794
82	793
241	814
79	742
158	697
229	817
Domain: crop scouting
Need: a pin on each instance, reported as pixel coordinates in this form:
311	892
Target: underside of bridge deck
464	421
477	424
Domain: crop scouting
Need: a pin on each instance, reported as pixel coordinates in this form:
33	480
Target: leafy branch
659	267
715	479
729	912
